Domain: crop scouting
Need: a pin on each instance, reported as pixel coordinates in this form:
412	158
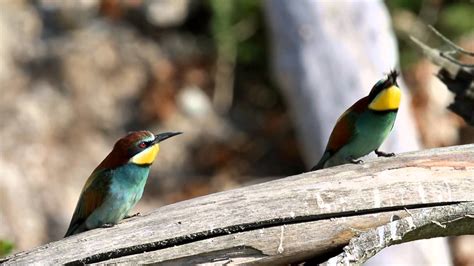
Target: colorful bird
363	127
116	185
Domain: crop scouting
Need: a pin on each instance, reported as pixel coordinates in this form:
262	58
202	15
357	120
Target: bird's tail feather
322	161
76	229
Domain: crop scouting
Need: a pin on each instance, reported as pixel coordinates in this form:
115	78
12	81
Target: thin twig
452	44
445	55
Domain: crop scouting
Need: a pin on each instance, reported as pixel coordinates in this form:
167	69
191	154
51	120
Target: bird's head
138	147
385	95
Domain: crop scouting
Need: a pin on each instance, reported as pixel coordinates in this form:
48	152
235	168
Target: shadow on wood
282	221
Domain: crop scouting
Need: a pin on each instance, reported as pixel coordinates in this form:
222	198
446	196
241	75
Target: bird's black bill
162	136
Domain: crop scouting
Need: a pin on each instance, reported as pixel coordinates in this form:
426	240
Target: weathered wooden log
434	222
292	219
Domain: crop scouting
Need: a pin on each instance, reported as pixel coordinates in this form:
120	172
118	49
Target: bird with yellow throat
363	127
117	184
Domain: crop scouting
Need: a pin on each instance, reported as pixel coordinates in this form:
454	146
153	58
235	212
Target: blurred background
255	85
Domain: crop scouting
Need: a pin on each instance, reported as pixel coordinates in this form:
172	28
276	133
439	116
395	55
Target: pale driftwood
287	220
435	222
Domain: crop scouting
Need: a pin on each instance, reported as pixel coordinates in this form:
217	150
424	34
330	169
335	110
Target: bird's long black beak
162	136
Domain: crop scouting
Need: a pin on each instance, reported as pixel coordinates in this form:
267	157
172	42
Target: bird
363	127
117	183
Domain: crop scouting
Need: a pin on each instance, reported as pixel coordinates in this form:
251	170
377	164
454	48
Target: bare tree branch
435	222
458	77
288	220
448	41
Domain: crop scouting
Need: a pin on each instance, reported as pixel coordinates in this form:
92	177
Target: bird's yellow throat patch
147	156
388	99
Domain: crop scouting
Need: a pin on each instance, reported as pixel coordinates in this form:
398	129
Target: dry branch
458	77
288	220
435	222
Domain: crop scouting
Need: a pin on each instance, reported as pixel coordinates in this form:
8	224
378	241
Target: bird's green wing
343	131
345	128
92	196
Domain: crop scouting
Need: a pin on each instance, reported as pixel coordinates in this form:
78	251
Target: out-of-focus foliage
236	24
239	33
6	247
453	18
222	25
457	19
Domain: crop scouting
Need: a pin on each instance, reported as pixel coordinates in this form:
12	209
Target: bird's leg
384	154
354	161
107	225
130	216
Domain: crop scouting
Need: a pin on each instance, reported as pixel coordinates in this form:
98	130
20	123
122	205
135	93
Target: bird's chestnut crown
138	147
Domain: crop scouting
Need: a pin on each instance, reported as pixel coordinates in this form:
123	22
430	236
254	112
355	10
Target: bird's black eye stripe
145	144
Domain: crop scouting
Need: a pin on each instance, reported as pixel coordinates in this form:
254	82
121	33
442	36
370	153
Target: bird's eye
142	145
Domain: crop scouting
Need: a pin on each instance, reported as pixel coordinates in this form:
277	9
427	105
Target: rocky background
77	75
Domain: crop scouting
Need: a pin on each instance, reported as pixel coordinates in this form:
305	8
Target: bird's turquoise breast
371	129
129	183
375	127
126	189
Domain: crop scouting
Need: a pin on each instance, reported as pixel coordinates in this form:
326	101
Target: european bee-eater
363	127
117	184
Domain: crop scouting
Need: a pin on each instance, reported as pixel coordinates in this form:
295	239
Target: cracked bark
283	221
435	222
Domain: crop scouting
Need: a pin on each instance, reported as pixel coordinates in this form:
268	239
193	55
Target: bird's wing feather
343	131
92	196
345	128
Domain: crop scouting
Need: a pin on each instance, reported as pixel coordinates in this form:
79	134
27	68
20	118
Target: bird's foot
355	161
384	154
133	215
107	225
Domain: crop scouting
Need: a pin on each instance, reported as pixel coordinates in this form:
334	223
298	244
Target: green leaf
6	247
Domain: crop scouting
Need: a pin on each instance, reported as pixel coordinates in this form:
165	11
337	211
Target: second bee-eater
363	127
117	184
